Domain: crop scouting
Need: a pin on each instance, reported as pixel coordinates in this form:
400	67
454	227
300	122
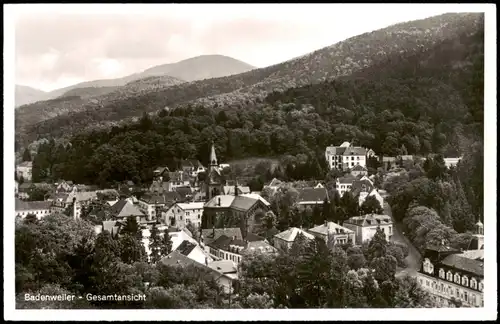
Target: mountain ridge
340	59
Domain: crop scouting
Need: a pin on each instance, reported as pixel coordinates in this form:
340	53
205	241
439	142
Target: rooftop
210	235
463	263
290	234
312	194
370	220
32	205
185	247
330	227
123	208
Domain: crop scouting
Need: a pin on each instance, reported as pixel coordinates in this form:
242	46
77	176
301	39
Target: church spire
213	157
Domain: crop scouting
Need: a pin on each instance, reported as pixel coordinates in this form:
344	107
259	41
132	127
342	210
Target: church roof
213	156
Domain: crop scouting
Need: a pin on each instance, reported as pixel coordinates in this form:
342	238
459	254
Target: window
481	286
465	281
441	273
465	296
448	276
473	299
421	282
457	278
457	292
358	157
427	283
473	283
442	287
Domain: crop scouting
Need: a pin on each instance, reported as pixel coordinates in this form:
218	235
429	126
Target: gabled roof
154	198
229	190
123	208
259	247
243	203
224	266
356	150
359	167
312	194
190	206
330	227
251	237
359	186
463	263
210	235
220	201
32	205
224	242
290	234
185	248
184	192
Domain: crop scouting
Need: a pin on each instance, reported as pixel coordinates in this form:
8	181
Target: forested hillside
247	89
431	101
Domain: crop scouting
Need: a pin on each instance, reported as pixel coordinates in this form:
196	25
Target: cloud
53	46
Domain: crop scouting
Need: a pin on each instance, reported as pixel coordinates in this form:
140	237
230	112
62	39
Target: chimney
326	222
213	229
218	201
206	261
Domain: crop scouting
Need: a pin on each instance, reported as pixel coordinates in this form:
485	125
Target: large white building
345	156
38	208
335	232
366	226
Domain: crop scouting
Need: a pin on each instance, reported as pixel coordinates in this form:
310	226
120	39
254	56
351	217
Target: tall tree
154	245
371	206
166	244
26	155
132	227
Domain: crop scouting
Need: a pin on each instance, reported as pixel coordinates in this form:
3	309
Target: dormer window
473	283
481	286
465	281
441	273
457	278
449	276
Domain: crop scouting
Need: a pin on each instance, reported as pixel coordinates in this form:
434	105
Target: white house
366	226
181	214
25	170
331	230
345	156
344	184
359	170
38	208
284	240
451	162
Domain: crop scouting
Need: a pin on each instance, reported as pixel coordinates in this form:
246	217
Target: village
214	222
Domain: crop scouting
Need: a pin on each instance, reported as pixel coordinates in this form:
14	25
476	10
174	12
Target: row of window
37	212
464	280
457	293
225	256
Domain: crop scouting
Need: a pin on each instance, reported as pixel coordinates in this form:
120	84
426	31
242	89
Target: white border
487	313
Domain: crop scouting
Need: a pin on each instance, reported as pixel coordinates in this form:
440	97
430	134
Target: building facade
334	232
345	156
182	214
366	226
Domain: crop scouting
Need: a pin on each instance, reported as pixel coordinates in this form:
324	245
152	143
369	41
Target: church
214	182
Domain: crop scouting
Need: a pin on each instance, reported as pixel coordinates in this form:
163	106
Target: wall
40	213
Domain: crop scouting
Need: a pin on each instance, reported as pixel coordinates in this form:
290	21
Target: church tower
213	180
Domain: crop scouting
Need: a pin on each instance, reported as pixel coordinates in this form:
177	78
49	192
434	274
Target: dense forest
429	102
63	117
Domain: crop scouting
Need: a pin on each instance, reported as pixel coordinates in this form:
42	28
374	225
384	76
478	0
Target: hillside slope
430	100
341	59
26	95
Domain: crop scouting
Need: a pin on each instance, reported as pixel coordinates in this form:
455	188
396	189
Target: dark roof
356	150
184	192
32	205
185	247
358	167
462	263
251	237
348	178
223	243
359	186
178	176
312	194
209	237
176	259
440	248
152	198
243	203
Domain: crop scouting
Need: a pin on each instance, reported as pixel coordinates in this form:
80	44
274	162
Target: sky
60	45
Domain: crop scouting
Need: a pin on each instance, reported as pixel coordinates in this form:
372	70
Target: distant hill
202	67
196	68
341	59
26	95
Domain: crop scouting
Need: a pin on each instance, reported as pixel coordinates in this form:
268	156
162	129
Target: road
413	258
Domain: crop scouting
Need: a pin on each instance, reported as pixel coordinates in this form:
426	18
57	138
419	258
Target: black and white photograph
250	162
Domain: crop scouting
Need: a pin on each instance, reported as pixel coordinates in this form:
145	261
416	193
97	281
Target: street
413	258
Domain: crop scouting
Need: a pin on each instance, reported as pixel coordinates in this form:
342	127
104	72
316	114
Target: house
344	184
65	187
208	235
370	153
285	240
274	185
452	278
229	190
234	249
451	162
25	170
193	251
226	267
59	201
192	167
79	200
235	211
310	197
38	208
123	209
366	226
359	170
319	185
362	185
176	259
332	231
185	193
181	214
177	179
345	156
151	204
374	193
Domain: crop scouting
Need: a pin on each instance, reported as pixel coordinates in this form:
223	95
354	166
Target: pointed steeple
213	157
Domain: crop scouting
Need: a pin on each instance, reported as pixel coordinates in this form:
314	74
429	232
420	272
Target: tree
132	250
132	227
26	155
371	205
166	244
349	205
378	245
